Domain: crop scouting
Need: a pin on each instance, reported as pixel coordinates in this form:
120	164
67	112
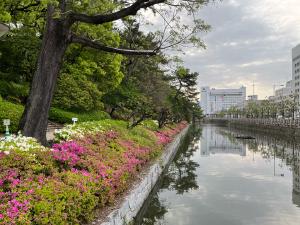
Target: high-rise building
214	100
296	70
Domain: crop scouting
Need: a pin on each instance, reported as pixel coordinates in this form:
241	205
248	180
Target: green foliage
185	95
10	111
150	124
144	90
59	198
18	52
62	116
76	93
14	91
86	73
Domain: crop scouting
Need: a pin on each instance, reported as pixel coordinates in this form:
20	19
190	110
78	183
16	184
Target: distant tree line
282	108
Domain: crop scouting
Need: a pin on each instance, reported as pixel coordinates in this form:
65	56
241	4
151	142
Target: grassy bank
88	167
13	111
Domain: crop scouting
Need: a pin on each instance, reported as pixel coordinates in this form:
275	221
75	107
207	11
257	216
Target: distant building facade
285	92
252	97
214	100
296	70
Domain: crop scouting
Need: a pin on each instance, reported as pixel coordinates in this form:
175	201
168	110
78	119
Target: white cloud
281	16
261	62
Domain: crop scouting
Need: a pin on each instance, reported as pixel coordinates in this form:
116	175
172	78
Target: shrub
21	144
151	124
61	116
12	90
76	93
10	111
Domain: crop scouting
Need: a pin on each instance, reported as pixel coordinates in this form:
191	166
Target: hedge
61	116
10	111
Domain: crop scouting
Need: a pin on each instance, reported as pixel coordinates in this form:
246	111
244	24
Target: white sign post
6	123
74	119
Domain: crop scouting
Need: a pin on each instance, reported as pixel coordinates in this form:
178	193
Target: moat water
217	179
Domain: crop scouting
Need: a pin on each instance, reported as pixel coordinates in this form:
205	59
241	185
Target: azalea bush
88	167
19	143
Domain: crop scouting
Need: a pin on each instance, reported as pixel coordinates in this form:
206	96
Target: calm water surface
216	179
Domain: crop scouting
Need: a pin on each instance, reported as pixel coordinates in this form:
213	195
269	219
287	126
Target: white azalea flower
79	130
20	143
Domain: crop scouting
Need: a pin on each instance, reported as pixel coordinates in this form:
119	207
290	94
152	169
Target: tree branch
62	5
26	8
105	18
93	44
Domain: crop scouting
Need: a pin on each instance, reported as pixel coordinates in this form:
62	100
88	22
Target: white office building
214	100
296	69
284	93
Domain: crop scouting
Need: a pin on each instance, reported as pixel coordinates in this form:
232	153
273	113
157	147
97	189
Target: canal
217	179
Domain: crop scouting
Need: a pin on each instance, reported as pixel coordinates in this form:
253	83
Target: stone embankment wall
285	127
134	201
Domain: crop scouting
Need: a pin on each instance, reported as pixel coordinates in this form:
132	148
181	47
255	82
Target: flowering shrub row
87	168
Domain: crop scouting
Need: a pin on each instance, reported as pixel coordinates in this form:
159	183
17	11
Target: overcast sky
250	40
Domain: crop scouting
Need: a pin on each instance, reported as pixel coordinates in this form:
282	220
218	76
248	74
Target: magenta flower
68	152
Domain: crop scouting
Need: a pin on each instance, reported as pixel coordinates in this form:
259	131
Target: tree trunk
137	122
162	118
56	38
111	113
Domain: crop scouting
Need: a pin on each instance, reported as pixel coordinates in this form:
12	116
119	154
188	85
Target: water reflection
221	180
180	177
273	148
181	174
215	141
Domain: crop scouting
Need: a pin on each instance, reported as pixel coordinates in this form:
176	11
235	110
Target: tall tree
60	19
185	97
144	89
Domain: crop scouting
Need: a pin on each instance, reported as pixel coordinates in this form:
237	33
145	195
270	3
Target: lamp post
6	123
3	29
74	119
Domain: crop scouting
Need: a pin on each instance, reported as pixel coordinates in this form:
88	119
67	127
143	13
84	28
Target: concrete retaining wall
286	128
140	192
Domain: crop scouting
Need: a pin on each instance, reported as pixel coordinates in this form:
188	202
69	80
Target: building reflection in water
296	179
215	141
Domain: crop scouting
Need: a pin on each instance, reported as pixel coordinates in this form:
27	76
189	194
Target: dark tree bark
163	115
55	41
